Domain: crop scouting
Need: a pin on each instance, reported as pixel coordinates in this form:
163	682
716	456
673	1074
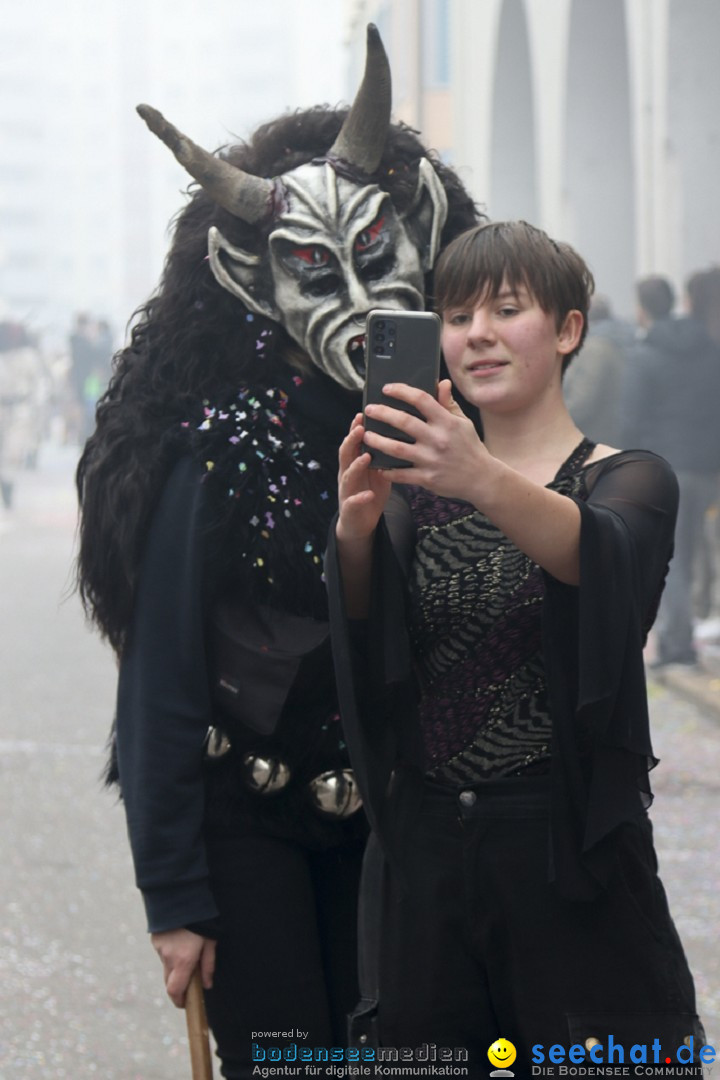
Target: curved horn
362	137
242	194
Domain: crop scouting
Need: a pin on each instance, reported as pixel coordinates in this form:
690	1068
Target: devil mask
336	245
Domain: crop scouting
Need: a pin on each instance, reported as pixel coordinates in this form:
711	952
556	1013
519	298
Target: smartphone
400	346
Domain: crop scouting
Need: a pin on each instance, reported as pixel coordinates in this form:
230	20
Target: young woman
499	592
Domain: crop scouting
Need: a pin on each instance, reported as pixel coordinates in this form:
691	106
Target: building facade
597	119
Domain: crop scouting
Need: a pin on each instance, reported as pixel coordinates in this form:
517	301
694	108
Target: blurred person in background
24	396
593	383
91	350
83	358
103	351
98	376
703	301
207	491
670	406
703	294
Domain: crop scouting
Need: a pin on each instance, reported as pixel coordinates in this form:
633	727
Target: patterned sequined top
475	623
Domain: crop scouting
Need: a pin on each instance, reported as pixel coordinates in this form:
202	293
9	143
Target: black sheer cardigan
593	639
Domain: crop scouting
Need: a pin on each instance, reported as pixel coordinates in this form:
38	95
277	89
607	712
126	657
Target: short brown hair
478	262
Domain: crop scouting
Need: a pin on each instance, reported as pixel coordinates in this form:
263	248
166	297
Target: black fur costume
208	382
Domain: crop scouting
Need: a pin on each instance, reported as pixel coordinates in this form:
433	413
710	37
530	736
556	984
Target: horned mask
337	246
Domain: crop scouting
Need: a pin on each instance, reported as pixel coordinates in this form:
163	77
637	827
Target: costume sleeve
373	667
164	711
594	636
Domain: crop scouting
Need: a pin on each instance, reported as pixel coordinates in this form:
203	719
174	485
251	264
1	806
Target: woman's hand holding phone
362	491
446	455
362	495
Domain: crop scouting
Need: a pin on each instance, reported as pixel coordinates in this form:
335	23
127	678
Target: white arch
598	165
548	29
474	33
513	170
693	128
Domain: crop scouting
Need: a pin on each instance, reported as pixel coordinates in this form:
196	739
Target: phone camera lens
392	329
380	324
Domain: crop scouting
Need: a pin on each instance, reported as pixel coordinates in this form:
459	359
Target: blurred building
596	119
86	191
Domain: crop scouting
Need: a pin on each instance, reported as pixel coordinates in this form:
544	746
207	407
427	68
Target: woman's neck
534	446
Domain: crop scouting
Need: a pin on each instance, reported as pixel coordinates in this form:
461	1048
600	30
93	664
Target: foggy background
86	191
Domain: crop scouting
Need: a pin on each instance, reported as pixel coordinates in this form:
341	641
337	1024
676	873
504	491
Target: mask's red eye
368	237
314	256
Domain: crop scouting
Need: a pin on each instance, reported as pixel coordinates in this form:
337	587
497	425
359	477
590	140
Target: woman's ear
570	332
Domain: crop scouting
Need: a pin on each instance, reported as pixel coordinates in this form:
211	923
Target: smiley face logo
502	1053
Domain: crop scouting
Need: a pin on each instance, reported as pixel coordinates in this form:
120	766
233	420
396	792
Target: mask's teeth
356	353
356	343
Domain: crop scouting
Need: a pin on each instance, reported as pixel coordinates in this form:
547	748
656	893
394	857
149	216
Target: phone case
400	346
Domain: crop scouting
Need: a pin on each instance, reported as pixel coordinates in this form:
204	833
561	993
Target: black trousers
478	945
286	959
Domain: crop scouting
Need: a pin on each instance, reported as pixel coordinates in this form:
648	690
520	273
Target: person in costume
490	604
206	492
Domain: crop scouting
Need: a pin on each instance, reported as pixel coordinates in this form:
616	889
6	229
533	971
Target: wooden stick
197	1028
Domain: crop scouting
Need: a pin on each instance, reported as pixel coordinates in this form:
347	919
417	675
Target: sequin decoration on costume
282	492
476	611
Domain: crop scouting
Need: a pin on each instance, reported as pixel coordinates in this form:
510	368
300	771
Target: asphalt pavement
698	682
81	992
